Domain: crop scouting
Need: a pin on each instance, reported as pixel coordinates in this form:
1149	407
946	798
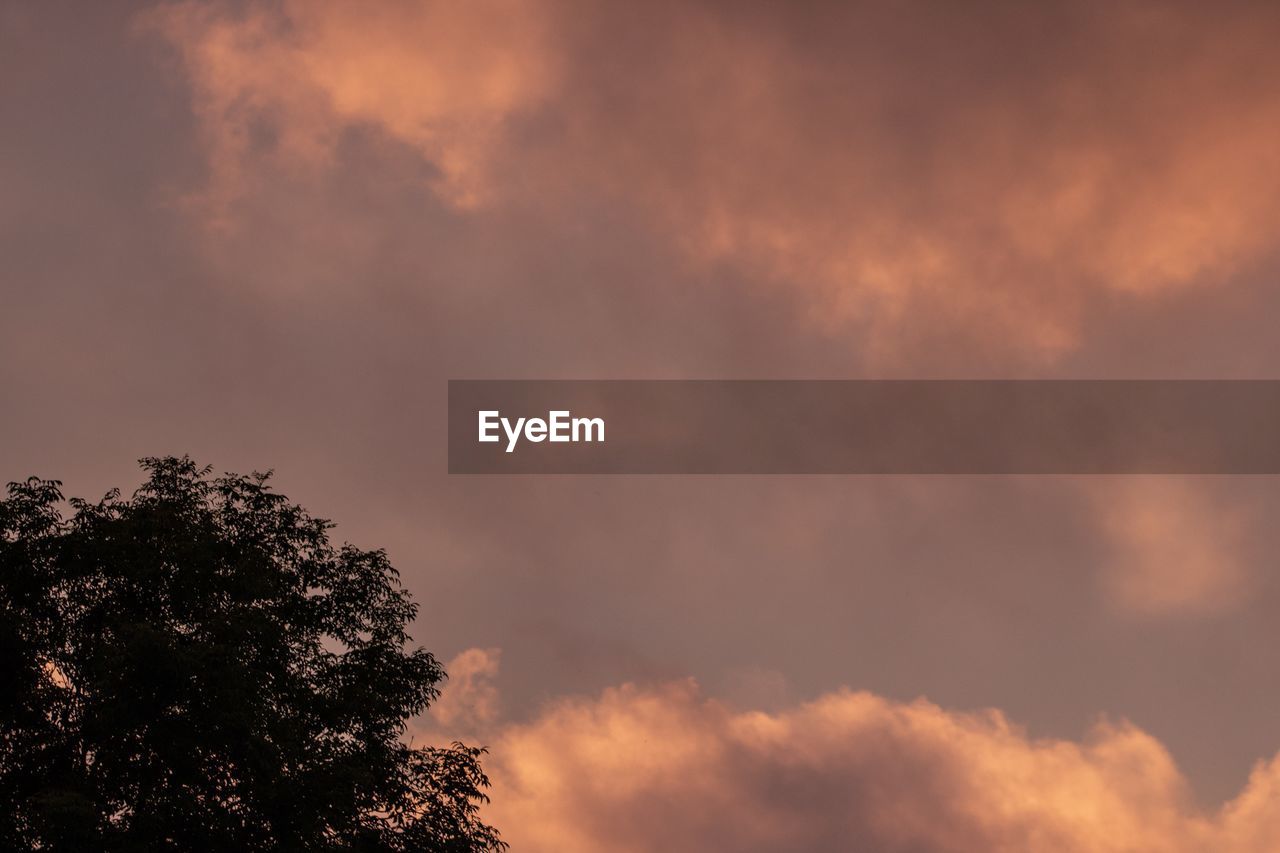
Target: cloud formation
471	700
282	84
662	768
902	171
1176	545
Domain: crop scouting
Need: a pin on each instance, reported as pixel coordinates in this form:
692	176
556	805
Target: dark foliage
197	668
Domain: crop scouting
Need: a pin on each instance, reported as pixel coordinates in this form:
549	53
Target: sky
267	233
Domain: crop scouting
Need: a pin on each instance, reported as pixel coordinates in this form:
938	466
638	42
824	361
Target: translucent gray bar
873	427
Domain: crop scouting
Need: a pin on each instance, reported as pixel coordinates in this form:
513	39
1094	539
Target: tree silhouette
198	668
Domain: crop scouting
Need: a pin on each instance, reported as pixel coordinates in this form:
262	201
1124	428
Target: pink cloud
1175	545
664	767
647	769
896	172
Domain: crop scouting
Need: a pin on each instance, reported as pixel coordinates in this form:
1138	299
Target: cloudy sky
266	234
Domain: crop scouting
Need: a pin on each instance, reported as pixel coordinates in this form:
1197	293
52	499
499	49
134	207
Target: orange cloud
903	170
283	83
1175	548
665	769
640	769
470	699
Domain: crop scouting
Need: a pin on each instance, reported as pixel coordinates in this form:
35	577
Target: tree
198	668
